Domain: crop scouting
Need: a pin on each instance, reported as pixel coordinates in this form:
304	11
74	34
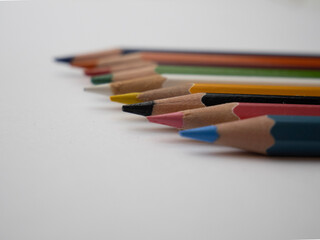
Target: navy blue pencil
119	51
269	134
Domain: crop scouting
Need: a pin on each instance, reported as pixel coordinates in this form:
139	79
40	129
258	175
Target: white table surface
73	166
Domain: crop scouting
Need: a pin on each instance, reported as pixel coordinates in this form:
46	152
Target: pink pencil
231	112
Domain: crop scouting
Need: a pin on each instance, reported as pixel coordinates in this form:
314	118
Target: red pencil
116	67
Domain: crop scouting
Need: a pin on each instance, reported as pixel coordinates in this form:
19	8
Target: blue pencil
270	135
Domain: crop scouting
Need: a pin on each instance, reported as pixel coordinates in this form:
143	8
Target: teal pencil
269	134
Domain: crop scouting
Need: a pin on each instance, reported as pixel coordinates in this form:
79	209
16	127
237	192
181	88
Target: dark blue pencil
270	135
119	51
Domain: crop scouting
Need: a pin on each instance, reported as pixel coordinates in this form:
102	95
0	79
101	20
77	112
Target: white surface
73	166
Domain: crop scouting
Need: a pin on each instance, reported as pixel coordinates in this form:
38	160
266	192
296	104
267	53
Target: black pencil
197	100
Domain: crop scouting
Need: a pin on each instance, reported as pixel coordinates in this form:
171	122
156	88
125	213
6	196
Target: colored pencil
93	55
208	59
149	82
228	112
199	100
115	59
270	135
125	75
73	59
185	89
162	69
118	51
175	79
111	68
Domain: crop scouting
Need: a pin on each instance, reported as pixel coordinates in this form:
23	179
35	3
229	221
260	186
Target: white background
73	166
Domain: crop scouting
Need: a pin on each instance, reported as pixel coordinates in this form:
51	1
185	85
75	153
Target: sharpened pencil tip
101	79
144	108
64	59
169	119
101	89
205	134
128	98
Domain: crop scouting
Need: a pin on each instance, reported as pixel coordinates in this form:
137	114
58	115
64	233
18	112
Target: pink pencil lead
169	119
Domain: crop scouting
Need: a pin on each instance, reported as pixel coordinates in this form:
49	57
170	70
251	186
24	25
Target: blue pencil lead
64	59
206	134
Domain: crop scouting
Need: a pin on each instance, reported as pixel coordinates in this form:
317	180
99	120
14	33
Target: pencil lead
128	98
102	89
144	108
64	59
101	79
205	134
169	119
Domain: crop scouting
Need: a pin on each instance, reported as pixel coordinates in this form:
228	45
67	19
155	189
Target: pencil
118	51
199	100
270	135
93	55
111	68
205	59
228	112
184	89
124	75
175	79
73	59
225	71
149	82
114	59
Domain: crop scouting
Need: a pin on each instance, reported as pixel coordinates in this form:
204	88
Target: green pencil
195	70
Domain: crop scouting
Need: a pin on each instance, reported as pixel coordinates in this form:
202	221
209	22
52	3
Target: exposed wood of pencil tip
98	54
138	84
112	68
179	103
161	93
149	82
119	59
248	134
131	65
209	115
106	60
135	72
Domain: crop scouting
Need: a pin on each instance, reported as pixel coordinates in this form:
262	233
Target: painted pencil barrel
175	79
225	71
230	71
231	60
256	89
295	135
